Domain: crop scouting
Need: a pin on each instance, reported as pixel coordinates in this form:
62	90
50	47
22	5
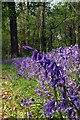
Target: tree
79	22
28	31
43	40
13	29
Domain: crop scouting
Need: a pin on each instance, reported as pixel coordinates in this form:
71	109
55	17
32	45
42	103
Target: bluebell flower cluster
28	103
49	108
60	93
68	58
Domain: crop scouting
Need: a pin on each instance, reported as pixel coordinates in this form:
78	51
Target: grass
13	90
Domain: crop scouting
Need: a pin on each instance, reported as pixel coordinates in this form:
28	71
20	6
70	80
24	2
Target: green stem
71	102
55	93
76	108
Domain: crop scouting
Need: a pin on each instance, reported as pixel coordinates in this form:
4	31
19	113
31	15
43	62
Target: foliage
61	21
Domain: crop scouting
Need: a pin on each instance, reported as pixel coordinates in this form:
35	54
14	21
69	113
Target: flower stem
55	94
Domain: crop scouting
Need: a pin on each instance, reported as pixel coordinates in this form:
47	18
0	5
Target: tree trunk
38	18
13	30
70	26
22	28
65	30
79	24
74	21
70	34
50	42
43	40
28	32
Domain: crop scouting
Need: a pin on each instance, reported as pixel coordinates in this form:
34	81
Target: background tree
13	29
43	40
28	31
79	23
43	26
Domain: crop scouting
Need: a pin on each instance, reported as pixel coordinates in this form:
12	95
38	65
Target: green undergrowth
13	90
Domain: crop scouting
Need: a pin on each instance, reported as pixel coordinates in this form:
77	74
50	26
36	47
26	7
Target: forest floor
11	60
14	88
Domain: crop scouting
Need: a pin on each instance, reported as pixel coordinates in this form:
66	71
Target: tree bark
13	30
43	40
38	18
50	43
70	34
22	37
74	21
79	24
28	32
70	26
65	25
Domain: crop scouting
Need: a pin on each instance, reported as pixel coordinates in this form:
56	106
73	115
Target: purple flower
30	115
21	73
38	92
39	56
51	65
44	57
74	98
77	103
63	95
48	93
45	73
32	99
63	106
23	101
28	48
61	81
61	70
49	108
71	113
34	56
52	74
71	92
53	83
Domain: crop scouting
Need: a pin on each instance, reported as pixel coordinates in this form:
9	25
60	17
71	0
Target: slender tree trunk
79	24
43	40
21	24
61	33
76	26
65	31
74	21
13	29
70	27
70	34
34	35
50	43
38	18
28	32
22	28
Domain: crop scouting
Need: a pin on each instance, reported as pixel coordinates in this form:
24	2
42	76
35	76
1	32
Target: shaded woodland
43	81
41	25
